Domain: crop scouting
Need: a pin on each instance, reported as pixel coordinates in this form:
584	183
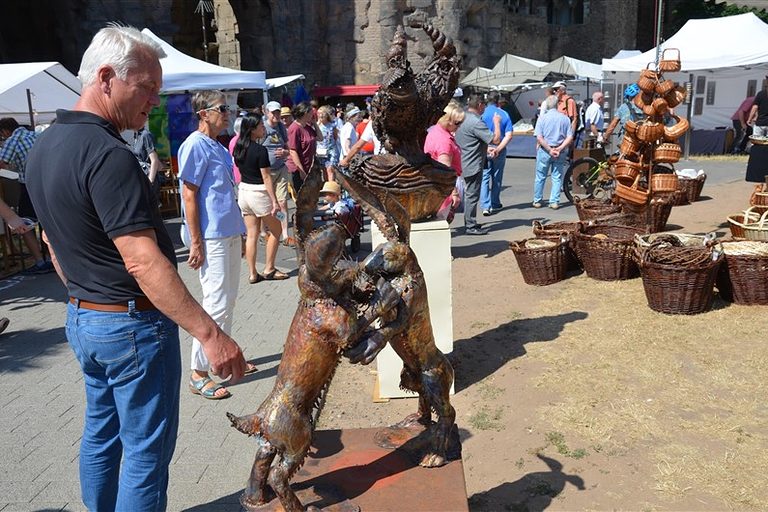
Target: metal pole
690	110
659	12
31	113
205	36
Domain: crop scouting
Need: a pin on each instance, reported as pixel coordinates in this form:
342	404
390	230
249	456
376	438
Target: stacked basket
743	276
541	261
647	143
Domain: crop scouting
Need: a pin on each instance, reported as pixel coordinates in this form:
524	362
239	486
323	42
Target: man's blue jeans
490	189
131	365
545	162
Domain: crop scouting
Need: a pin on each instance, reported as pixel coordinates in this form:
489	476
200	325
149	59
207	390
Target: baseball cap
272	106
285	111
559	85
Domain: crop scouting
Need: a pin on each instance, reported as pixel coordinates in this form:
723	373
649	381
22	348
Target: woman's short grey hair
550	103
118	47
202	100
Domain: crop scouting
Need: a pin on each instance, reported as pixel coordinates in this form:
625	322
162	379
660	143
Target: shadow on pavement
480	356
23	350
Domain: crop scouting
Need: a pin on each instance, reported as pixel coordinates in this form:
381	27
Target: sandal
197	387
275	275
253	280
289	242
250	368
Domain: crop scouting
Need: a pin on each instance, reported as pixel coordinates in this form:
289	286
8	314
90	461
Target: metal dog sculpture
327	321
407	328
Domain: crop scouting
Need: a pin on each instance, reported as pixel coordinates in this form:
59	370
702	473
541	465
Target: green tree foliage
701	9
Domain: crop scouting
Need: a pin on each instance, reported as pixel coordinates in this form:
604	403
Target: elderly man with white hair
553	135
113	253
593	117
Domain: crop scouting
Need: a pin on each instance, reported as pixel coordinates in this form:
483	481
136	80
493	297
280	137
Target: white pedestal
431	242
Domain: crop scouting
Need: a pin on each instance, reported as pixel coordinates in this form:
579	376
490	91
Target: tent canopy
282	80
511	71
184	73
708	44
574	67
49	83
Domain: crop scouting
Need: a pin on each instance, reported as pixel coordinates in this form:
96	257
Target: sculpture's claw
432	460
245	424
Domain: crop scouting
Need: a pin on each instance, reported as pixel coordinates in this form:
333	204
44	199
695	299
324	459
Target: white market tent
719	69
512	71
50	85
184	73
574	67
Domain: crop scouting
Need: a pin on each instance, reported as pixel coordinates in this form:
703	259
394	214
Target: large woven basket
690	188
679	289
652	217
558	230
663	182
743	275
588	209
542	264
606	251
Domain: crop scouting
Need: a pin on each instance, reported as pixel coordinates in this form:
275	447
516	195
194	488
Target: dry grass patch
688	392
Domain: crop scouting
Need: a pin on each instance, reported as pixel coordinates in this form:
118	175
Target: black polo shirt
88	188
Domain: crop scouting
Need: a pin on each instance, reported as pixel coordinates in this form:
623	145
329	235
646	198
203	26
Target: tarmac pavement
42	398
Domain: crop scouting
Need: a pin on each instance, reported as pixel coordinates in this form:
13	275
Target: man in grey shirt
473	138
276	142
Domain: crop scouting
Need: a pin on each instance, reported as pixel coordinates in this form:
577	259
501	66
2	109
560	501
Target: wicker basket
650	131
685	239
690	188
664	86
744	273
749	228
667	152
660	106
648	79
652	216
663	182
541	265
759	198
606	251
679	290
588	209
677	130
669	64
627	171
679	280
633	194
629	146
676	96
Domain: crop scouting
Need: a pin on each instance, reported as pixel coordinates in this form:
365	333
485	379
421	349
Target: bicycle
587	177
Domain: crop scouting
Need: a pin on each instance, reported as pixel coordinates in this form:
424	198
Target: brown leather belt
142	304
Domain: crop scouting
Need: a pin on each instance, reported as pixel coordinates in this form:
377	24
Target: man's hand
196	255
492	153
554	152
225	356
18	226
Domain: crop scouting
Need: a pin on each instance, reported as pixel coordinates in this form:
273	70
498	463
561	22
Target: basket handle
762	219
670	49
536	225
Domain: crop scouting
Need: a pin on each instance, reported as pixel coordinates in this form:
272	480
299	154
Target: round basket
677	130
664	86
744	272
690	188
684	239
676	96
649	131
660	106
648	79
653	215
543	264
629	146
627	171
679	290
588	209
632	194
606	251
663	182
670	64
630	127
669	153
749	228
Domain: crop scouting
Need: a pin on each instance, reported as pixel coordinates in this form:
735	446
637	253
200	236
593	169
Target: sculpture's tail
249	425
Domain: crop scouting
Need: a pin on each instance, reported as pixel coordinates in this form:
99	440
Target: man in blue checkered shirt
13	155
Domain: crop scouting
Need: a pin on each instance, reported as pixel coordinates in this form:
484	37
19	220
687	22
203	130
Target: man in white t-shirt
348	135
593	117
367	136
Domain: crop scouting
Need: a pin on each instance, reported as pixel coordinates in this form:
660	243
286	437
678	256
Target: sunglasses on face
457	123
220	108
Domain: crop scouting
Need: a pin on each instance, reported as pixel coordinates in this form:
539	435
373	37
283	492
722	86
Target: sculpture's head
322	250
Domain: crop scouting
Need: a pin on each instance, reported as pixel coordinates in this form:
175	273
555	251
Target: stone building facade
329	41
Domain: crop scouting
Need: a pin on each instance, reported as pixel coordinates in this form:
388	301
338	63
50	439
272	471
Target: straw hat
330	187
285	111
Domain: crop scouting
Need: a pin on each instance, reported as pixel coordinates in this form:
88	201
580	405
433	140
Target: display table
522	145
757	165
431	241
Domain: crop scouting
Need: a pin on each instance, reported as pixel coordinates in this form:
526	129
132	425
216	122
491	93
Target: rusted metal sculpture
401	111
407	328
332	315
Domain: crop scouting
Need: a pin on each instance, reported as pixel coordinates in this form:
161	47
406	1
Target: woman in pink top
441	145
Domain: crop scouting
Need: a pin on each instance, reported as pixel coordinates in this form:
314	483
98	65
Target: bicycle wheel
580	178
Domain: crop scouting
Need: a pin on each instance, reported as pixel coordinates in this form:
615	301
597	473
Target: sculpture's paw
243	423
432	460
413	420
252	503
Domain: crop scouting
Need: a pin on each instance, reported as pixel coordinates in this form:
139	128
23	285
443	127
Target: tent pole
659	11
690	129
31	114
